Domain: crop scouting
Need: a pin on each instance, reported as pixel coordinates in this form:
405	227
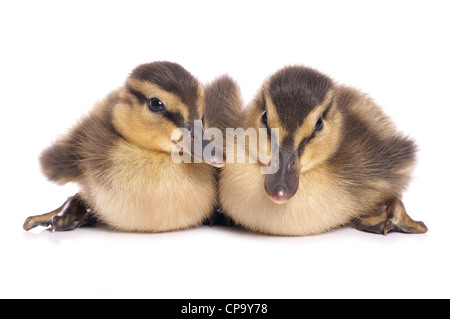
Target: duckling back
374	159
223	104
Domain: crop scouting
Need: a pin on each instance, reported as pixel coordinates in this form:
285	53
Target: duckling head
301	103
157	102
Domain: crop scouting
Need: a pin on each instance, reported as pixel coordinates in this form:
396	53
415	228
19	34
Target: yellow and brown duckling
341	161
223	109
223	105
120	155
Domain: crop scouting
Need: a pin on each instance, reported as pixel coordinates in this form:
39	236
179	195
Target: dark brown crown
173	78
296	91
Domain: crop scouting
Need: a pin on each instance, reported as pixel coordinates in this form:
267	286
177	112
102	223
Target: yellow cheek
307	158
145	130
319	150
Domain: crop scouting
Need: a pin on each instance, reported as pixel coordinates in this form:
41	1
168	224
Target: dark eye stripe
303	143
175	118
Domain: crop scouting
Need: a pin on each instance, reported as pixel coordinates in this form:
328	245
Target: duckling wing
83	150
59	162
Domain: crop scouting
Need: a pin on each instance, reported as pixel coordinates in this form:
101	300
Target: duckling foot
72	214
219	218
393	219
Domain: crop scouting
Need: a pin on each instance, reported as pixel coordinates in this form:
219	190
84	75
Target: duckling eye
264	118
156	105
319	124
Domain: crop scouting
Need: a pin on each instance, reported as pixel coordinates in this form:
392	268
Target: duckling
121	156
223	109
339	160
223	104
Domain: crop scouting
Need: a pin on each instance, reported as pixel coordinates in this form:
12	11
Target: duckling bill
340	161
120	155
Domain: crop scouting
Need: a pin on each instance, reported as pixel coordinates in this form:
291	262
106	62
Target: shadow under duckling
120	155
339	160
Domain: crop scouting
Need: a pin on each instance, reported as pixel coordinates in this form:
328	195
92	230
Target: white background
58	57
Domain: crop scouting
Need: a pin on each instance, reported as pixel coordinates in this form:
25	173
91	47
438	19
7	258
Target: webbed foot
72	214
219	218
393	219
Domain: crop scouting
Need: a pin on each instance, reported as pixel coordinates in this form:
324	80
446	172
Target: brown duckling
120	155
339	160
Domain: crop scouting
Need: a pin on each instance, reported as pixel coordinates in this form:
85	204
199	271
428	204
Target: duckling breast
150	193
319	205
